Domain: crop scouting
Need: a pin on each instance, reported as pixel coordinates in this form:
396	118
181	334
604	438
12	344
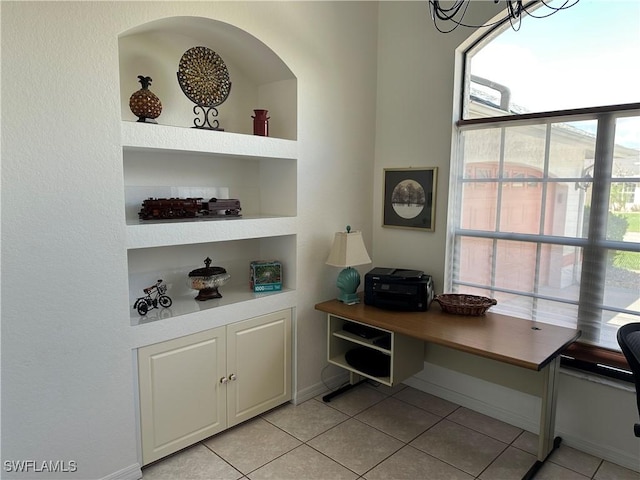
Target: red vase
261	123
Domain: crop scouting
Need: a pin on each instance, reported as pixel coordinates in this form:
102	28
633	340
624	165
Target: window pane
474	264
556	313
572	149
611	321
560	270
622	281
521	207
549	64
565	212
481	153
623	224
514	305
524	149
479	206
627	150
515	266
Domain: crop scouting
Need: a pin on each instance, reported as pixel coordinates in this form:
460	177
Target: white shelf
159	233
150	136
365	342
187	315
187	304
341	361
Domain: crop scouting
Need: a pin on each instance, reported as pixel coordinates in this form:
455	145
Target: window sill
597	360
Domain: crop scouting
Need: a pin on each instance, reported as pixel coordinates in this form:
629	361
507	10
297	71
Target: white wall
416	74
414	125
67	377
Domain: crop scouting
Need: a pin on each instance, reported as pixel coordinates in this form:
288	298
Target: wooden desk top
500	337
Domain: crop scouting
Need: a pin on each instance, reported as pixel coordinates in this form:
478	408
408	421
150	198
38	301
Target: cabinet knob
224	380
232	376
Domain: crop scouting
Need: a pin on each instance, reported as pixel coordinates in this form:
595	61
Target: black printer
398	289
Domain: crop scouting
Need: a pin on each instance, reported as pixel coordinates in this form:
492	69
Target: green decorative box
266	275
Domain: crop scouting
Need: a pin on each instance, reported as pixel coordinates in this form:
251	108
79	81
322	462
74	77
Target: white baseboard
510	406
601	451
321	387
132	472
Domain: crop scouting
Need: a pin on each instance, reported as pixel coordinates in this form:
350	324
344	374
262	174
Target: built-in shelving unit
191	383
261	172
172	156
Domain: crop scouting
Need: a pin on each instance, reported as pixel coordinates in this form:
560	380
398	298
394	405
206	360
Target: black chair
629	341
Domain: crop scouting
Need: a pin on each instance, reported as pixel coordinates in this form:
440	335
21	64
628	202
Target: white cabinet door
258	365
182	399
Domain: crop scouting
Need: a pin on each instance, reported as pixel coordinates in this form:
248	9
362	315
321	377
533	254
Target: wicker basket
461	304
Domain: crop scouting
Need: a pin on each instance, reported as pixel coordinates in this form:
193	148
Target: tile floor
376	433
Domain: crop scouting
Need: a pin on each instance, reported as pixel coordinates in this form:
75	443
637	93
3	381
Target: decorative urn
144	103
207	280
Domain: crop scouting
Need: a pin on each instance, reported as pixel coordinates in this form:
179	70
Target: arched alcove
260	79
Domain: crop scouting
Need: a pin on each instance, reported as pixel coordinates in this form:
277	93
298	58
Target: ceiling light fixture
447	18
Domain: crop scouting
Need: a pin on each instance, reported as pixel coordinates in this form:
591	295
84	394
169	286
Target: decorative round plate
204	77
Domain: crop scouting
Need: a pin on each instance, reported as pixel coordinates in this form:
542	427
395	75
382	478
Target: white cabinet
381	355
195	386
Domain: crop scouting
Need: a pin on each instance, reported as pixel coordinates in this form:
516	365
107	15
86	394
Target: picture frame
410	198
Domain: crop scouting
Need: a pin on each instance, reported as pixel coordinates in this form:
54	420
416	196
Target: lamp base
348	282
349	298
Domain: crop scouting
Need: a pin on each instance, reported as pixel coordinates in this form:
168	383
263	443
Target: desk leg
547	443
354	381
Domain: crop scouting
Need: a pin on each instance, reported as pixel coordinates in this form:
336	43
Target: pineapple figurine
144	103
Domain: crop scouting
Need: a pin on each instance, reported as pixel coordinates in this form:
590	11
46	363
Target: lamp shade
348	250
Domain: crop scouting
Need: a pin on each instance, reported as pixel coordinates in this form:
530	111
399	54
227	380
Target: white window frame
584	355
595	245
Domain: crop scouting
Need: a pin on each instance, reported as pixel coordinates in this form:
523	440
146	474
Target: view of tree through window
545	210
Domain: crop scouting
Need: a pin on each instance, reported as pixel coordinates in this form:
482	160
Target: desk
523	343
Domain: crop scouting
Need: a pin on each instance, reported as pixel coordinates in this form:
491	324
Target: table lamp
347	251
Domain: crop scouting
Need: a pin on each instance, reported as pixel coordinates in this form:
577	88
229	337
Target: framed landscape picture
410	198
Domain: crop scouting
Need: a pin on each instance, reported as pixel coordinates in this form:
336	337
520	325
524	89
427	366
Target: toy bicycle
149	302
